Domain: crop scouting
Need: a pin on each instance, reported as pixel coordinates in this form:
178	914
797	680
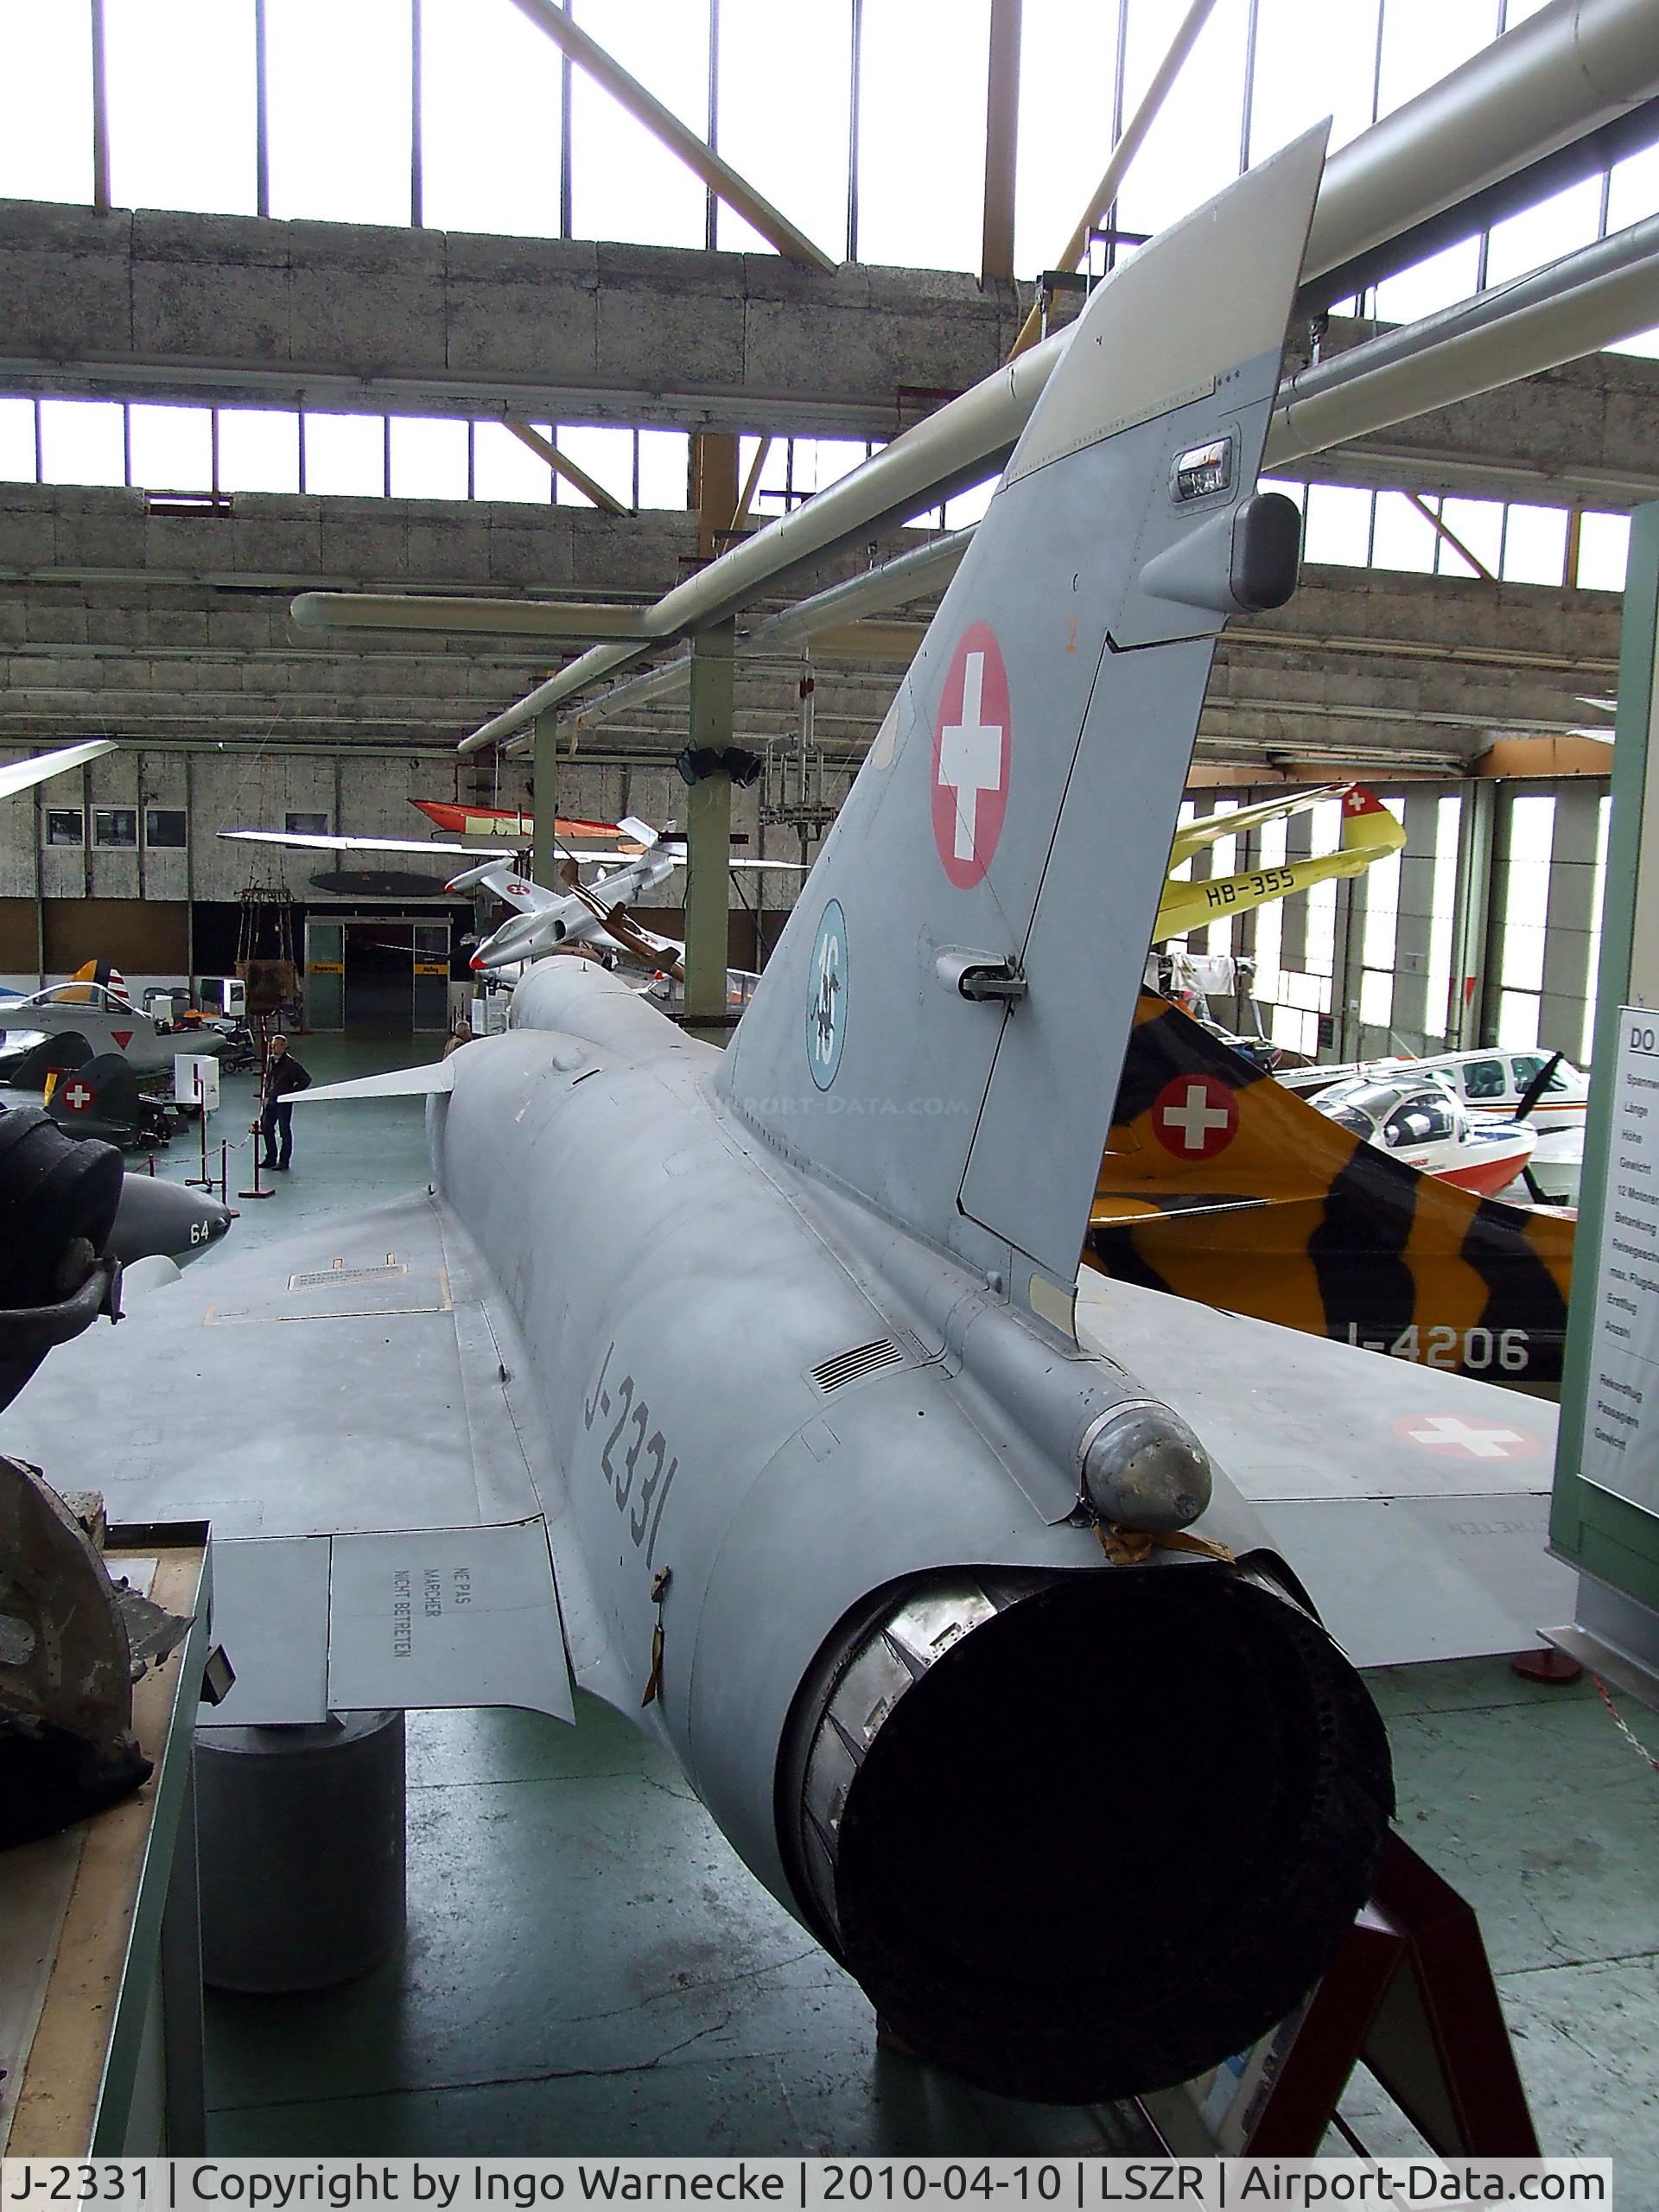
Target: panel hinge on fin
981	976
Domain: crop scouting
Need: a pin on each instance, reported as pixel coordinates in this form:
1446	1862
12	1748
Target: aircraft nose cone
156	1216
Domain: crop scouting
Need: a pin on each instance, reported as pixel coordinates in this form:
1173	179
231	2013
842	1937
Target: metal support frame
100	112
1473	900
544	859
1443	531
1001	144
561	465
709	833
663	124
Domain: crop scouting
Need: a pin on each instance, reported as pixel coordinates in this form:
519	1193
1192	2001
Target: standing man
283	1076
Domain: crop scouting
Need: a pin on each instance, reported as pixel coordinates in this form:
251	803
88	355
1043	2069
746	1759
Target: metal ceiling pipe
1574	67
928	567
1591	299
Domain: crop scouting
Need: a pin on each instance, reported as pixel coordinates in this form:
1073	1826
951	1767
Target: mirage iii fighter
966	1639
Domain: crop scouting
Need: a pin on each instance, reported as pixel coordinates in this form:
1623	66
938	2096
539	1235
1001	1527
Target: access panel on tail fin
942	1024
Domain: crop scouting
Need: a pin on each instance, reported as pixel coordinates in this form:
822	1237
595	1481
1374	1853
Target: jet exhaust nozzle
1083	1835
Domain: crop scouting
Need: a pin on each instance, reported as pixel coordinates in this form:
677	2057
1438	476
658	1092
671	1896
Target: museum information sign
1621	1422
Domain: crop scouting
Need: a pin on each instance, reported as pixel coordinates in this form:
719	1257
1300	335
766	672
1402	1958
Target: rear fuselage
803	1468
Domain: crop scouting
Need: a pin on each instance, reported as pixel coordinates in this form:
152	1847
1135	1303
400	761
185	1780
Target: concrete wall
326	314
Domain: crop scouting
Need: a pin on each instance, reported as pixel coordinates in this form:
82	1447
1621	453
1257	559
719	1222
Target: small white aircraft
586	913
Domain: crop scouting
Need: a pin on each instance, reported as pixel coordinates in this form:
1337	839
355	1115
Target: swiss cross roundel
1468	1436
973	736
1195	1117
77	1094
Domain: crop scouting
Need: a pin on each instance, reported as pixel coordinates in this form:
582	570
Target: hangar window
1268	937
83	441
164	829
338	106
427	458
343	454
1525	899
1379	888
116	828
65	825
170	449
794	150
46	100
1224	859
1603	548
201	165
623	183
305	825
493	63
1440	1015
1534	545
1338	526
19	462
1597	892
259	449
606	455
915	91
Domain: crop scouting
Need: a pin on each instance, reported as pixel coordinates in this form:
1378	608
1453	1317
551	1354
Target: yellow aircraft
1370	832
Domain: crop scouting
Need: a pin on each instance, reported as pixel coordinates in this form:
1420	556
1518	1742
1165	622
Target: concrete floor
589	1969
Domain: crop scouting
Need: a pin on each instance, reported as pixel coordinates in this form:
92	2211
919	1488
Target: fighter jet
968	1640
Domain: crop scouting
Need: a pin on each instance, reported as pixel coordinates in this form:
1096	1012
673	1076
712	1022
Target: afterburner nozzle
1143	1468
1083	1834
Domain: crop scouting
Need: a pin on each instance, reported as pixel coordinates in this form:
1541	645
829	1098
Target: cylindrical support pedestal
301	1840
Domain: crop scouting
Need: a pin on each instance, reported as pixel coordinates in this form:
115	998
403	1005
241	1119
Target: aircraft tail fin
1220	1184
944	972
500	877
1368	826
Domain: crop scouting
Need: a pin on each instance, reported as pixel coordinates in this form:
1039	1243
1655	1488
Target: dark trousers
277	1125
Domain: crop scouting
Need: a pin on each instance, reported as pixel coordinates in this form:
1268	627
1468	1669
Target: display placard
1620	1447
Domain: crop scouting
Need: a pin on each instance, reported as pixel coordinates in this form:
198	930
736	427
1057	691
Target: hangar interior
422	305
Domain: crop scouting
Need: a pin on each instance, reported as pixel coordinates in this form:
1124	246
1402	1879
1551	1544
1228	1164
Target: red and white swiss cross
1468	1436
973	740
77	1094
1195	1117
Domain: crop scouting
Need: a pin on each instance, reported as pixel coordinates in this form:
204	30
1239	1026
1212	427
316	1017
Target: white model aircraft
587	913
23	775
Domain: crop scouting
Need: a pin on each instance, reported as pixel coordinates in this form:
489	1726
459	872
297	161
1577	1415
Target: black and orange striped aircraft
1220	1184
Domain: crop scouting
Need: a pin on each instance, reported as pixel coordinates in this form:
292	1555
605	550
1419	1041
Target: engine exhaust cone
1113	1834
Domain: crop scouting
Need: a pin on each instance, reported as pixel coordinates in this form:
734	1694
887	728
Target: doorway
390	974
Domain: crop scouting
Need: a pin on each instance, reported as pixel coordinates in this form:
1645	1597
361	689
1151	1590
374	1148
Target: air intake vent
863	1359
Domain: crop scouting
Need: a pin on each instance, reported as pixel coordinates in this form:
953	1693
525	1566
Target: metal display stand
1411	1998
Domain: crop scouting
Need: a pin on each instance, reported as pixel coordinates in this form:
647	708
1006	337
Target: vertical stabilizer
942	1023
